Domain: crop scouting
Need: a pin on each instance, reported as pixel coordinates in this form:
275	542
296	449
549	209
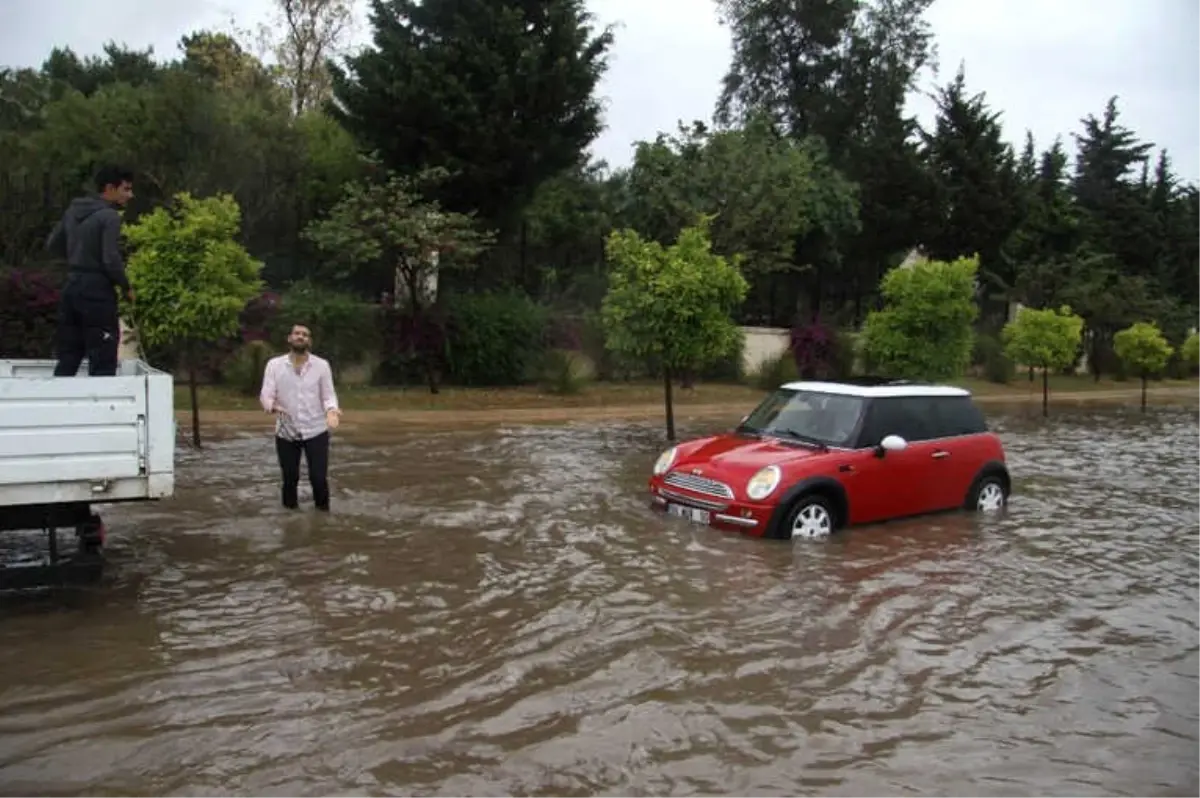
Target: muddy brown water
499	613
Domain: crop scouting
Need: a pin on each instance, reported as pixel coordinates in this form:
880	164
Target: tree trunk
669	406
1143	393
195	402
412	280
1045	392
430	372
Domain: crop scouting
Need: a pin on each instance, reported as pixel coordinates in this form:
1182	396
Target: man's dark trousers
89	326
316	454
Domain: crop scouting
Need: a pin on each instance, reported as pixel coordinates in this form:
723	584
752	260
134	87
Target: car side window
906	416
954	416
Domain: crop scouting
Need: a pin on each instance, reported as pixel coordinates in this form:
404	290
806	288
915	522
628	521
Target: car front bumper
731	514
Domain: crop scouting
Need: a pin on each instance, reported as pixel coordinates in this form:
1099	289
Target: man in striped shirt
298	389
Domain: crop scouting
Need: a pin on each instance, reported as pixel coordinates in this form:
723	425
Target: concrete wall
762	344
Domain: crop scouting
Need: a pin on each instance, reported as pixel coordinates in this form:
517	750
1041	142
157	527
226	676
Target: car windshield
808	416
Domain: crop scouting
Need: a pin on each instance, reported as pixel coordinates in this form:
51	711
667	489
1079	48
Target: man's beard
299	349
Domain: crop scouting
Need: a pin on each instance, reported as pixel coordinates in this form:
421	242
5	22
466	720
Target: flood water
499	613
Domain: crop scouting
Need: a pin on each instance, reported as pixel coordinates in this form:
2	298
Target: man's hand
333	418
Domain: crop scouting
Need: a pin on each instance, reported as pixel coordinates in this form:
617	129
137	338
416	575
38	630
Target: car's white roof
873	391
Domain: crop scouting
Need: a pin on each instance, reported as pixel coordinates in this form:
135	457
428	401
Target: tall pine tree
841	70
498	92
977	189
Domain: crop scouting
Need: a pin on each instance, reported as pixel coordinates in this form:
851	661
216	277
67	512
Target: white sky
1045	63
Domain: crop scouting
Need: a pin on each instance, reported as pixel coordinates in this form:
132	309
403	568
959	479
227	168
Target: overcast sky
1045	63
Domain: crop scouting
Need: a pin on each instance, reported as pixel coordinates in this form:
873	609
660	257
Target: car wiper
802	438
753	432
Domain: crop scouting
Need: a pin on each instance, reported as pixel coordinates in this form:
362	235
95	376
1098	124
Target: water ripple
499	613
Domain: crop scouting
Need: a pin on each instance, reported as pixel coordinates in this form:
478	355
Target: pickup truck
67	443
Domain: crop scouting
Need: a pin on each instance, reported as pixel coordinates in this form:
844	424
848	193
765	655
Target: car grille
697	484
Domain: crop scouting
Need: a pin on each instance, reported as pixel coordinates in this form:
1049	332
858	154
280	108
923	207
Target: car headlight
665	460
762	483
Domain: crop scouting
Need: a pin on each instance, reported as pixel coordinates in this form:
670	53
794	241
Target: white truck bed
85	439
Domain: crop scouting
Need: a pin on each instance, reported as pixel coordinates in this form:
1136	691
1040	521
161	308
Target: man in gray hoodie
89	238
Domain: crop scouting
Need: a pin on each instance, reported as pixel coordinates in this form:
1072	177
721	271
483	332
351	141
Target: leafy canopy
1142	346
1047	339
191	276
342	325
925	329
381	230
764	191
1190	351
499	92
671	304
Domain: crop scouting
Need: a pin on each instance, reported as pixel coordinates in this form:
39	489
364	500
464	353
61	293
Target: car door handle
938	455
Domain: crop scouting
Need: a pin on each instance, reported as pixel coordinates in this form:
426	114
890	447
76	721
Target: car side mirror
890	443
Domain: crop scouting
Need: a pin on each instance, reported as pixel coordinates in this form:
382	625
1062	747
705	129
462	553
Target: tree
1191	352
841	70
1041	250
191	277
1046	339
823	68
925	328
671	304
310	33
497	92
1115	211
773	201
1142	347
975	182
385	235
764	192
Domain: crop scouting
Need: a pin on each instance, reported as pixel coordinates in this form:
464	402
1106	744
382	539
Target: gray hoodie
89	237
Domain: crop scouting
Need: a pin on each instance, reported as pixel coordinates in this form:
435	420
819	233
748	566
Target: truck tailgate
85	438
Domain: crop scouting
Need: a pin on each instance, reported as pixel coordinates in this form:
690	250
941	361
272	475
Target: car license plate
693	514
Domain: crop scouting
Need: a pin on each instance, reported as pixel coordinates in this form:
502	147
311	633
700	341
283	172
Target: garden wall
763	344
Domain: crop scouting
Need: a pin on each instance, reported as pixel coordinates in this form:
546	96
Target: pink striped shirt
305	396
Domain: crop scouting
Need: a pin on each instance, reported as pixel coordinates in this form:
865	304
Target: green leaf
1047	339
671	304
1143	348
190	276
925	330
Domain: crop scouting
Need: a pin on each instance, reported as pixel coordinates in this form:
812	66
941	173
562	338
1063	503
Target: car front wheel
812	517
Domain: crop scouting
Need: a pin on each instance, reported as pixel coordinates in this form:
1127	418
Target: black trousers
316	454
88	326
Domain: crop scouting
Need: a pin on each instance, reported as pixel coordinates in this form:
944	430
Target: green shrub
1190	353
844	355
494	338
244	371
345	329
412	346
728	368
563	371
989	357
609	366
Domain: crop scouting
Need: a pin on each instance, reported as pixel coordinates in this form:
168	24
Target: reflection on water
500	613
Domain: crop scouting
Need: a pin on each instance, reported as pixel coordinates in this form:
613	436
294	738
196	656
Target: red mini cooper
814	457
